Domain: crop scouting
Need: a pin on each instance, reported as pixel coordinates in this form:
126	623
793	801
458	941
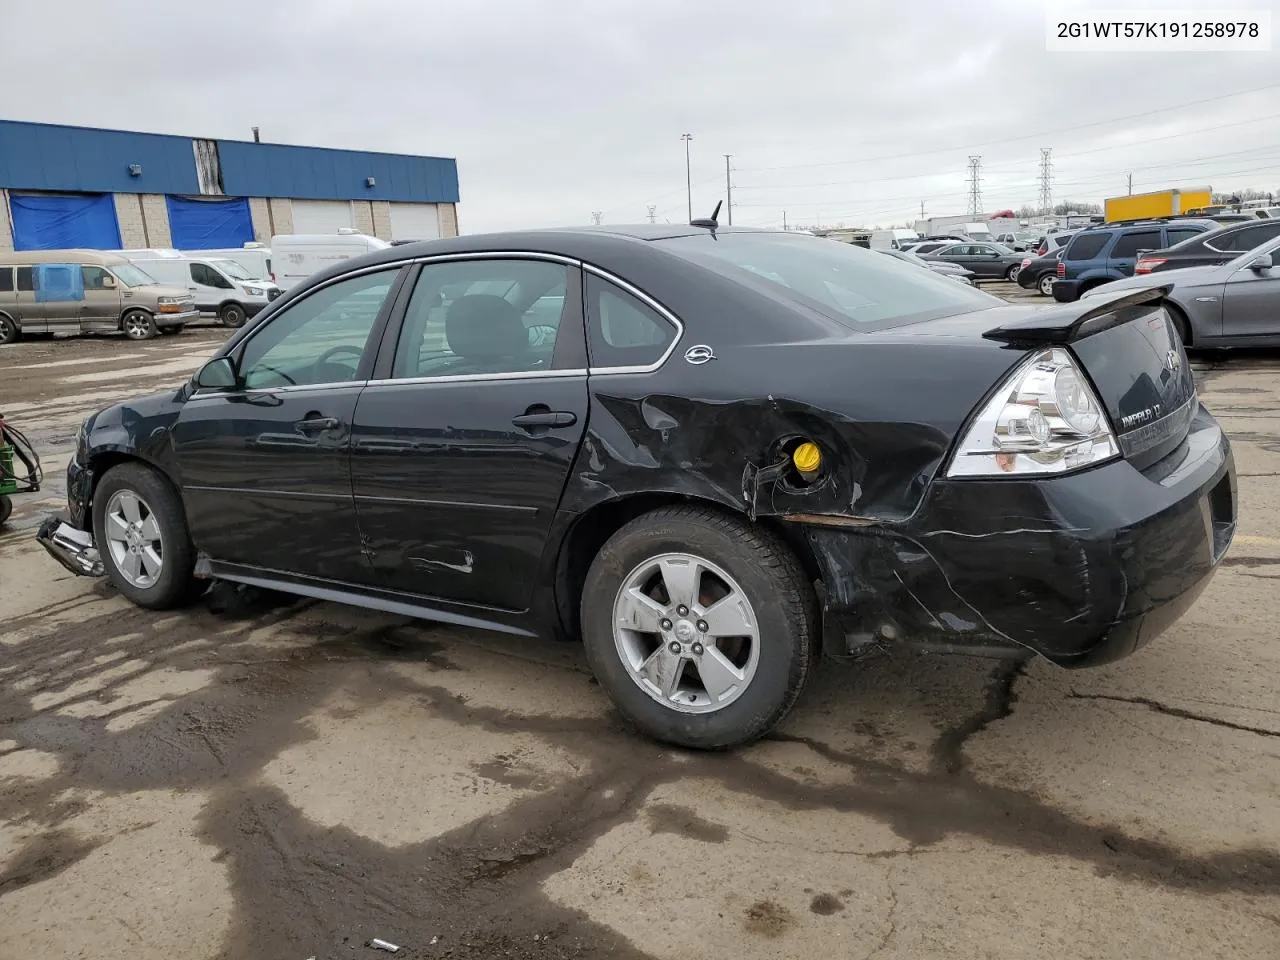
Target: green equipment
16	448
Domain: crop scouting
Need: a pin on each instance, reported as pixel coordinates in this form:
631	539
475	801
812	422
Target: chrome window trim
647	301
469	377
288	388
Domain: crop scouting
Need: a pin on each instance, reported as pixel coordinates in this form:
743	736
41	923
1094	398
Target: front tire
138	325
231	315
141	532
699	626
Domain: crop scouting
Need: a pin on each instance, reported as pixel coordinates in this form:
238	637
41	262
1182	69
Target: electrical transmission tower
975	185
653	213
596	215
1046	179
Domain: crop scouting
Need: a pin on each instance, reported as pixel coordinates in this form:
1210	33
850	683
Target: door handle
317	424
544	418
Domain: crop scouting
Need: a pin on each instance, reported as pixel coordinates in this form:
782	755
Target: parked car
1040	273
986	261
1210	248
1107	252
953	270
732	451
85	291
1053	242
1233	304
219	287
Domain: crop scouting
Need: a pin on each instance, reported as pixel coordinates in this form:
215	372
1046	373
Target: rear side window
27	279
622	331
6	279
1180	235
1086	246
1130	243
1245	240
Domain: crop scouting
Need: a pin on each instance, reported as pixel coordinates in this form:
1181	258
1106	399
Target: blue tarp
59	282
209	224
64	222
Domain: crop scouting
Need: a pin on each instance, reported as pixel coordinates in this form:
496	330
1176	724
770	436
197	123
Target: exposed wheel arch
1181	322
100	463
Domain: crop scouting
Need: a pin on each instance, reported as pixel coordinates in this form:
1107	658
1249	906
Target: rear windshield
861	289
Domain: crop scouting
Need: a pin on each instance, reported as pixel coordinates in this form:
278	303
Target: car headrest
483	326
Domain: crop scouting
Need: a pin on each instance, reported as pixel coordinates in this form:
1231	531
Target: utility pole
784	220
688	178
1046	179
975	185
922	216
653	213
1131	184
596	215
728	190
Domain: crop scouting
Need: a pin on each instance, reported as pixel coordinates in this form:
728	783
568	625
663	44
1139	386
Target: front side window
623	331
875	292
319	339
205	275
233	270
95	278
482	317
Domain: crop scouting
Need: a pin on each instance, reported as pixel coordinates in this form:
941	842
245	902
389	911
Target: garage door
64	221
321	216
414	221
209	224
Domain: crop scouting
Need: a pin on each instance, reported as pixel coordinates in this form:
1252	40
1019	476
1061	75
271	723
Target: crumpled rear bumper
72	548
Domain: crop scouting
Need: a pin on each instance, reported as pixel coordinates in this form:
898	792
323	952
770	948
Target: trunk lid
1127	346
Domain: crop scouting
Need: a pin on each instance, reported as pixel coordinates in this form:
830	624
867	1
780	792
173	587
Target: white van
892	239
254	257
296	256
221	288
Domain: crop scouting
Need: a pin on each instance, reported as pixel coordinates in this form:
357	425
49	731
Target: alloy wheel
134	539
137	326
686	633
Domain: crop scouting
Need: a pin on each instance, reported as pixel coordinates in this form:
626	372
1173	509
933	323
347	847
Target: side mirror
217	374
1261	262
108	283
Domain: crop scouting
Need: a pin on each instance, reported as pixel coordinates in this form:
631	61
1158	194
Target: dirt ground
285	779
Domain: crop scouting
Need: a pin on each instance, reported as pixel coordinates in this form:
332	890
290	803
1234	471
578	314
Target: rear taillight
1149	265
1026	262
273	276
1062	269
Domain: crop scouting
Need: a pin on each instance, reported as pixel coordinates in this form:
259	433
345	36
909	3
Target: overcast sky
833	110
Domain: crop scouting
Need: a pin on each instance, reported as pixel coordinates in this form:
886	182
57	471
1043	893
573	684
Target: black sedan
1210	249
986	261
711	455
1040	272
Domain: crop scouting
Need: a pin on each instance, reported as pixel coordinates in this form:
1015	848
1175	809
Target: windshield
233	270
855	287
132	276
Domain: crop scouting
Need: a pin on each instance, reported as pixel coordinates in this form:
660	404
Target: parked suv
85	291
1109	251
1212	248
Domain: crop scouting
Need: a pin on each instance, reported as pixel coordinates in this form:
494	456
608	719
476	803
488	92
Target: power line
1044	133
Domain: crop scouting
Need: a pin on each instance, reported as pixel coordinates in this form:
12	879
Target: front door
265	469
207	286
1251	302
461	447
100	309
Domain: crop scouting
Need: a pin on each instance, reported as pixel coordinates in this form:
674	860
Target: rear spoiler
1072	322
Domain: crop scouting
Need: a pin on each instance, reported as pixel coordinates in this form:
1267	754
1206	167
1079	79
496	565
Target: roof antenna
711	222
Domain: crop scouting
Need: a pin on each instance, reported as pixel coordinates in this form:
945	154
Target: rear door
463	441
1124	252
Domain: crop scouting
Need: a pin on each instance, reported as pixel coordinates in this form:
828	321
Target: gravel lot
290	779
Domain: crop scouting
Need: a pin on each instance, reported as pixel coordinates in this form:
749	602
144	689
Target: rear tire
231	315
140	530
1012	273
756	674
1046	282
138	325
9	332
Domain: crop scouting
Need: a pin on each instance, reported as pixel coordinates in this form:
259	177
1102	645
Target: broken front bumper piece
72	548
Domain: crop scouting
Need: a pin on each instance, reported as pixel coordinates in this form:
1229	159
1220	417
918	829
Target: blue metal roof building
52	176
